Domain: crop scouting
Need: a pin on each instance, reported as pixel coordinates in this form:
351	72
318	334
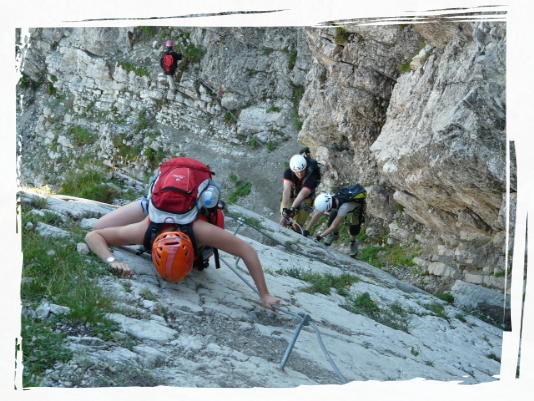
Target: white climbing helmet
297	163
323	202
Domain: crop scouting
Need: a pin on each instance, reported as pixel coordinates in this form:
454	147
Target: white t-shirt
347	208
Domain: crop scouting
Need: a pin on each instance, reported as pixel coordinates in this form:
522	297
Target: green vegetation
142	124
242	189
147	294
322	283
405	67
155	158
125	152
406	21
148	26
87	184
342	36
271	145
81	136
389	255
141	71
297	97
461	317
53	78
229	118
415	351
56	272
446	297
193	54
438	309
24	82
252	143
402	23
399	207
50	89
393	316
494	357
505	272
292	60
273	109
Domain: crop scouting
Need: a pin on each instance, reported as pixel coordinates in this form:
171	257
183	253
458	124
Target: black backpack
313	166
351	193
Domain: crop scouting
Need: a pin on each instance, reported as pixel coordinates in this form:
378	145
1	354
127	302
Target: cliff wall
416	113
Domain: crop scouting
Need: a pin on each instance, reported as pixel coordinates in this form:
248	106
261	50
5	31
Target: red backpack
168	61
173	198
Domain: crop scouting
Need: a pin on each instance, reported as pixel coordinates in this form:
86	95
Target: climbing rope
335	262
306	319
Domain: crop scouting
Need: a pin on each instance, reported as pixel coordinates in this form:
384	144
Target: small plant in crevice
273	109
81	136
148	295
50	89
147	26
342	36
438	309
141	71
24	82
87	184
229	118
271	145
192	53
322	283
242	189
461	317
292	60
297	97
446	297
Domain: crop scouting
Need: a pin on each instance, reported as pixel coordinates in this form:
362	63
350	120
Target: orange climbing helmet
173	255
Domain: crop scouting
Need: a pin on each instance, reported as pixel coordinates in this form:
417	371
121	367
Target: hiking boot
331	238
353	248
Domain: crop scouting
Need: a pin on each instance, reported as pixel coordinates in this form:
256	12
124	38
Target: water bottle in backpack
209	197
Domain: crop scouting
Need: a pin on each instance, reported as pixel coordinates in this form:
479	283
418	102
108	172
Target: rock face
210	330
438	152
416	113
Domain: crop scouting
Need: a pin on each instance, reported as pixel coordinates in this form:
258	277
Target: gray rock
46	230
82	248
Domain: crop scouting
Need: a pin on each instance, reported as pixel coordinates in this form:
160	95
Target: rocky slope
210	330
416	113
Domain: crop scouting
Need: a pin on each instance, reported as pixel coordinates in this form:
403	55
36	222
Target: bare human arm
208	234
286	197
316	216
286	194
333	227
303	194
99	242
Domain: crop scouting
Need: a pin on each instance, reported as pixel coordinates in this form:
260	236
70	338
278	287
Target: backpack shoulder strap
151	233
154	229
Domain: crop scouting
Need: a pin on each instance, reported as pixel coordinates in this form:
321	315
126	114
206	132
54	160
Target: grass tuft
242	189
